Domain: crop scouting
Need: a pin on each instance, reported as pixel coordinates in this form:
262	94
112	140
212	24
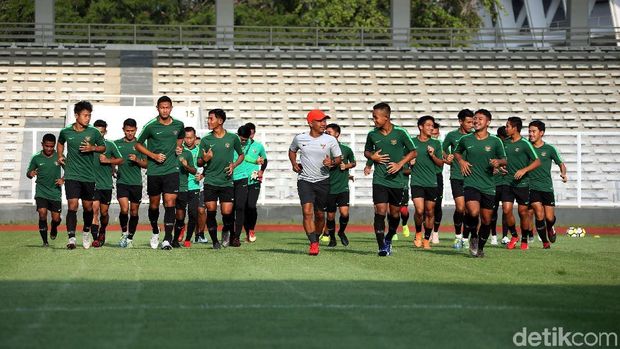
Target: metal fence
273	36
591	159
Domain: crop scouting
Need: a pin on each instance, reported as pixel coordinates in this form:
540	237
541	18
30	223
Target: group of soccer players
230	165
485	171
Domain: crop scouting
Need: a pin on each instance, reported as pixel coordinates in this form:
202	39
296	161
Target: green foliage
17	11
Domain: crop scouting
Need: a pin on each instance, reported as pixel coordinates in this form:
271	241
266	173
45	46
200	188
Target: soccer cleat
314	249
435	237
324	238
181	234
406	232
480	254
524	245
165	245
187	244
53	234
388	247
383	252
234	242
71	243
225	238
546	245
513	242
417	242
86	240
494	240
176	244
458	244
343	239
217	245
505	240
530	238
395	237
202	240
465	244
426	244
99	241
129	243
473	246
123	241
252	236
45	244
154	241
551	235
332	242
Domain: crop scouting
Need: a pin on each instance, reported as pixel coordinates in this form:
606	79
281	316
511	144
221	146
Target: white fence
591	159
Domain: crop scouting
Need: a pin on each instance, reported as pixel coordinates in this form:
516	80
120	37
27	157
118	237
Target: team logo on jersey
87	139
393	142
323	146
517	150
227	145
544	153
487	148
175	132
56	163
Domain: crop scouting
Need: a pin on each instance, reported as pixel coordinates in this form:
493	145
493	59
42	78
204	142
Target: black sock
427	233
418	228
104	220
123	219
550	224
212	225
228	222
168	222
179	224
494	223
87	216
473	228
379	225
313	237
133	224
153	218
504	228
513	231
392	226
94	231
55	225
458	222
470	224
483	235
343	221
438	217
404	215
525	234
71	222
331	228
541	230
43	230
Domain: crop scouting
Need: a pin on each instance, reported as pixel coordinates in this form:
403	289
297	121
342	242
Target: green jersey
103	172
223	150
500	177
396	144
339	179
479	152
192	183
129	172
251	151
424	171
48	171
449	146
439	169
79	165
183	173
519	155
540	177
162	139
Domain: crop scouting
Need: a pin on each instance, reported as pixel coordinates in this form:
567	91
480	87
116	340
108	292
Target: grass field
271	294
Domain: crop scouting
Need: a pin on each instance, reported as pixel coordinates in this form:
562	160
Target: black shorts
314	193
405	200
215	193
457	187
79	190
439	185
182	200
520	194
104	196
337	200
486	201
382	195
201	200
428	193
547	198
164	184
132	192
50	205
502	193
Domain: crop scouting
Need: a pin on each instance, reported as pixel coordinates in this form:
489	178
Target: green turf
271	294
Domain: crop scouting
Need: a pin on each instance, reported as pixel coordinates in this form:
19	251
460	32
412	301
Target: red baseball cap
316	115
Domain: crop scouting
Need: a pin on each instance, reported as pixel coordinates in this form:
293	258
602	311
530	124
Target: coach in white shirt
318	152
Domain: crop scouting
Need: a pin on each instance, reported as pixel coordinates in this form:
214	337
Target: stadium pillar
578	12
401	22
44	21
614	6
225	21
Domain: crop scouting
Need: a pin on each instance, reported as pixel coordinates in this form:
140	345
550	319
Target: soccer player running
161	140
390	148
82	142
522	159
129	182
502	188
439	201
254	183
103	185
466	120
318	153
202	214
424	180
194	199
45	166
478	154
186	200
216	151
339	190
542	198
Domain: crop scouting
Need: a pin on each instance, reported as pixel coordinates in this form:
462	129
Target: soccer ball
576	232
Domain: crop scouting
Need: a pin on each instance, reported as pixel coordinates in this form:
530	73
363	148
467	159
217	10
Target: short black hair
130	122
383	106
163	99
101	123
501	132
82	105
48	137
251	126
189	129
484	112
219	113
424	119
538	124
516	121
465	113
244	131
436	125
334	126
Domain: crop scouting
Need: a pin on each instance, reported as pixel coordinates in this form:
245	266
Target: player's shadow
281	251
347	250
